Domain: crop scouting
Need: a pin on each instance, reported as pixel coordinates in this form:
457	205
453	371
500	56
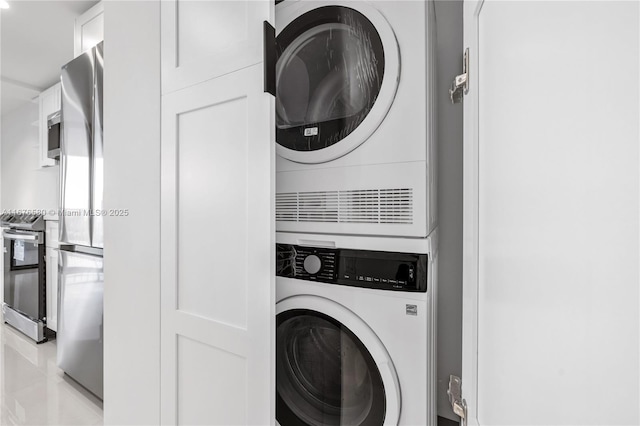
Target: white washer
355	125
350	348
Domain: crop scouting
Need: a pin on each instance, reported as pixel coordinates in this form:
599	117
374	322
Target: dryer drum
328	76
324	373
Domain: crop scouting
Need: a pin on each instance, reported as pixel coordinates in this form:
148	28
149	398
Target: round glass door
324	373
331	72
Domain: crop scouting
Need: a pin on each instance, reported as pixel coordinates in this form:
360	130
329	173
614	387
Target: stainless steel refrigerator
80	292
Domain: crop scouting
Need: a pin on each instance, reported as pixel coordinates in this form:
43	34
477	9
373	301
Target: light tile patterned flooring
34	391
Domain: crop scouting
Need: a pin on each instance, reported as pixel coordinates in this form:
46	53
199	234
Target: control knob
312	264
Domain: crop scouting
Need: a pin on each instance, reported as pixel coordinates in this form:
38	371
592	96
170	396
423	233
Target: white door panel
206	39
208	378
217	248
551	298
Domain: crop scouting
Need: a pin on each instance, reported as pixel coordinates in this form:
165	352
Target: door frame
470	229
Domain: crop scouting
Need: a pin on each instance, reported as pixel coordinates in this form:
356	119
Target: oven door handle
25	237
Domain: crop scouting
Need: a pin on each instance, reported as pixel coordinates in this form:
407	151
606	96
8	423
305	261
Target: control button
312	264
360	278
393	282
402	282
376	280
369	279
384	280
347	277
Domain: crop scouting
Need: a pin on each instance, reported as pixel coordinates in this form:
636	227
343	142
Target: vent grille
383	206
318	206
287	207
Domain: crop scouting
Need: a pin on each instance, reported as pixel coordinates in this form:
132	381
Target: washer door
328	372
336	77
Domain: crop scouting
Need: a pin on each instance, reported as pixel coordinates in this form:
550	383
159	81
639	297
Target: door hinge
458	404
460	85
270	58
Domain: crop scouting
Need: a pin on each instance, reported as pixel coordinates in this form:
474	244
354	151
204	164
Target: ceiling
36	39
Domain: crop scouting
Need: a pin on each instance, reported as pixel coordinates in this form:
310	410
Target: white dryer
355	331
355	126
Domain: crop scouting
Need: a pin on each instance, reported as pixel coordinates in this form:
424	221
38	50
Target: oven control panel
360	268
33	222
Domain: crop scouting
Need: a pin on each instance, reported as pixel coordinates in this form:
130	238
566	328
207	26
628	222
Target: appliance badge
311	131
411	310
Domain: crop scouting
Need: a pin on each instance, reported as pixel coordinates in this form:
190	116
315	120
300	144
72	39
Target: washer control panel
360	268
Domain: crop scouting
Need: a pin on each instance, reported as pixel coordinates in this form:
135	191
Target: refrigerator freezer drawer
80	319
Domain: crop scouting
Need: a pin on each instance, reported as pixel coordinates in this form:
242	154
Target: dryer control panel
360	268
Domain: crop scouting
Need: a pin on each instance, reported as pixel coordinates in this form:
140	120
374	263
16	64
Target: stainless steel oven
24	305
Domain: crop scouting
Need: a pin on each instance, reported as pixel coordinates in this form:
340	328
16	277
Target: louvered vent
360	206
396	206
384	206
287	207
318	206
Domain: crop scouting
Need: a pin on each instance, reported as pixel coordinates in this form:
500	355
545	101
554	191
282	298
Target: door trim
470	228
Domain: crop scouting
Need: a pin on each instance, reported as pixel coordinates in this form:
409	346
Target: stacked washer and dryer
355	213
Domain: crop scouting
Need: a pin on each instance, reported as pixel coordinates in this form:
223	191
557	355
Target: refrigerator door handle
89	251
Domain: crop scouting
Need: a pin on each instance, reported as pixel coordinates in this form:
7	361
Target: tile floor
34	391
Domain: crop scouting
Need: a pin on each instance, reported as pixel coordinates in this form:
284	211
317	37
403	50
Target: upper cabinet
89	29
49	102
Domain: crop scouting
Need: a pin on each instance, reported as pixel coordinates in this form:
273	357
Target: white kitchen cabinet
89	29
52	289
51	241
49	102
51	234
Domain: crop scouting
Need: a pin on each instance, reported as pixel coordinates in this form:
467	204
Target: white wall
449	28
132	243
24	184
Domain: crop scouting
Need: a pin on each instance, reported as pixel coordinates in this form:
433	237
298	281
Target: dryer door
336	77
328	373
